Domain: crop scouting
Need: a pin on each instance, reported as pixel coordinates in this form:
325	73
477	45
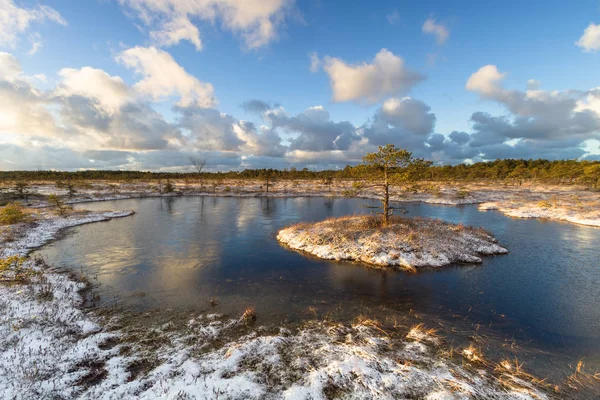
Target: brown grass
412	230
249	316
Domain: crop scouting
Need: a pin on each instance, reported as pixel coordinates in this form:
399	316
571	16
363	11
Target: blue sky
553	42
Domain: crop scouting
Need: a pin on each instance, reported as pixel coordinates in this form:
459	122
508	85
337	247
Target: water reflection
182	252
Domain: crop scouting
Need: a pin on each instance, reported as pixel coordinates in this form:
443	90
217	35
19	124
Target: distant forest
507	170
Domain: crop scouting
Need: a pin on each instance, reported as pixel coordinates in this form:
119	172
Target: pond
179	253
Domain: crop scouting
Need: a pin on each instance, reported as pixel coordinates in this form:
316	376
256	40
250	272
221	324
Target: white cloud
176	30
15	20
590	102
256	21
486	81
10	68
110	92
23	110
385	76
36	43
590	40
440	31
545	123
164	77
411	114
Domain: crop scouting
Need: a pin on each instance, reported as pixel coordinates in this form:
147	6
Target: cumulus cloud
171	21
385	76
256	106
535	113
590	40
164	77
23	108
439	30
15	21
109	92
485	81
411	114
406	123
313	130
92	119
538	123
88	108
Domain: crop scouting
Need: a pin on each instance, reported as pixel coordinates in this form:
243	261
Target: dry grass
582	378
249	316
412	230
419	333
370	322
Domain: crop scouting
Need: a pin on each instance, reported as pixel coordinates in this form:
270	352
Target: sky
145	84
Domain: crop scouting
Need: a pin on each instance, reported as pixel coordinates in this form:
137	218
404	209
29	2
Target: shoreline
567	204
59	348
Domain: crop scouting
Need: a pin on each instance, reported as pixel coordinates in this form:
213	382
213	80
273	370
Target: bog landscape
152	245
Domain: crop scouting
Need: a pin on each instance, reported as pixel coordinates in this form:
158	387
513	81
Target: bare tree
199	164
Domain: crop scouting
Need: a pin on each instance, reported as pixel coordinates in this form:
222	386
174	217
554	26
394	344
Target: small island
407	243
387	240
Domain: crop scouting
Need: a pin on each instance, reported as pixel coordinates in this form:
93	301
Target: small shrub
544	204
462	194
358	186
12	213
11	269
169	187
21	190
58	203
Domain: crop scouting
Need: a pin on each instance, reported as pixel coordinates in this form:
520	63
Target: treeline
507	170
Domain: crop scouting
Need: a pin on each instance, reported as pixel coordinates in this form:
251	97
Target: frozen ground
408	243
567	203
52	347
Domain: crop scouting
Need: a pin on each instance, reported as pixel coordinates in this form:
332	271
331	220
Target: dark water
178	253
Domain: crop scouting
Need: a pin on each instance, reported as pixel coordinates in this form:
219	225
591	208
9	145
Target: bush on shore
12	213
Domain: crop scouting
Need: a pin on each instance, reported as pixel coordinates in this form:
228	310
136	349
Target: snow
519	210
408	243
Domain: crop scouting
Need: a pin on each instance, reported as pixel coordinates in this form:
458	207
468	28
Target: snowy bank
546	210
405	242
570	203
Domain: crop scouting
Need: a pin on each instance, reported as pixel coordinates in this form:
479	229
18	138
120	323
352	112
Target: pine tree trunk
386	198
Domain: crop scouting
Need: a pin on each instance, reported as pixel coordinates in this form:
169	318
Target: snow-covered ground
588	215
51	347
567	203
408	243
